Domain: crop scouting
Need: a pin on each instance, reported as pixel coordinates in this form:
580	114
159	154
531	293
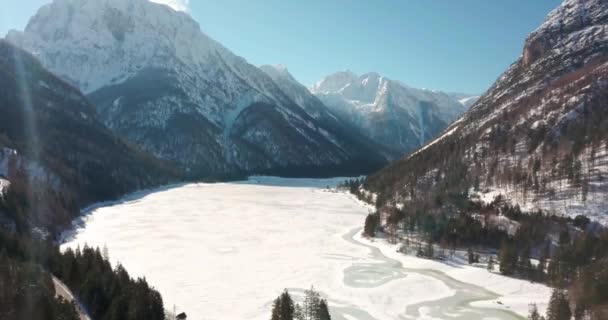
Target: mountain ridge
389	112
159	81
537	137
56	154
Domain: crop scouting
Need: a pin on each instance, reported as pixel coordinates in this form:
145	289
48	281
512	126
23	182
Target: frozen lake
225	251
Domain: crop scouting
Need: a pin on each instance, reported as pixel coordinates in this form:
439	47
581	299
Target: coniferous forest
570	255
105	292
313	307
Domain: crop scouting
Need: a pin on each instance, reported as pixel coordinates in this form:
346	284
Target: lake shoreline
358	285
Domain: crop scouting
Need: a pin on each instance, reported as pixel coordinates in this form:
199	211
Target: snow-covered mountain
156	79
322	114
538	137
467	100
389	112
297	92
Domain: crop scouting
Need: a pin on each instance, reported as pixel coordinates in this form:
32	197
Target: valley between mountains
149	172
220	251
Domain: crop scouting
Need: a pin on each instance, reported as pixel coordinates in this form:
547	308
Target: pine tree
508	259
371	224
470	255
524	265
553	271
559	308
429	251
323	310
287	307
534	315
276	309
310	306
283	307
298	313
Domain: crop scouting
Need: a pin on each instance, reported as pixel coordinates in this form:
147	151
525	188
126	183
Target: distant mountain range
120	95
394	115
538	137
157	80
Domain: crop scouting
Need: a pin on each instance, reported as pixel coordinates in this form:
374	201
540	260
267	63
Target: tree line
570	255
313	307
27	292
106	293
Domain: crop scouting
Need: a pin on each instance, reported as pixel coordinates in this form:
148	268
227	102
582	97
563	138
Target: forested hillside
27	290
55	158
56	154
523	171
539	136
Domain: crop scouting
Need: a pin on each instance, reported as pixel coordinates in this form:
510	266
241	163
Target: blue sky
447	45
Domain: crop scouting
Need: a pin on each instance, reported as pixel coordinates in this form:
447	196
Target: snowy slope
339	127
469	102
393	114
538	136
296	91
156	79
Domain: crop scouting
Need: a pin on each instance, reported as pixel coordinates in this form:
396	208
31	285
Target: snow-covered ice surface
226	250
498	291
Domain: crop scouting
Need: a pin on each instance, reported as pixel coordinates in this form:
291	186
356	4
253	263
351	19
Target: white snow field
224	251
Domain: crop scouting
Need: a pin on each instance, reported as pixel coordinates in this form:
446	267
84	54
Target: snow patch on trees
562	197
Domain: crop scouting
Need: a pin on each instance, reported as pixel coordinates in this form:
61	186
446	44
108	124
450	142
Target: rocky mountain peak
278	72
333	82
570	21
111	40
389	112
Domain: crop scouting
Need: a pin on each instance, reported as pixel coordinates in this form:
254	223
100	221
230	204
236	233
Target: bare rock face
572	17
534	49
